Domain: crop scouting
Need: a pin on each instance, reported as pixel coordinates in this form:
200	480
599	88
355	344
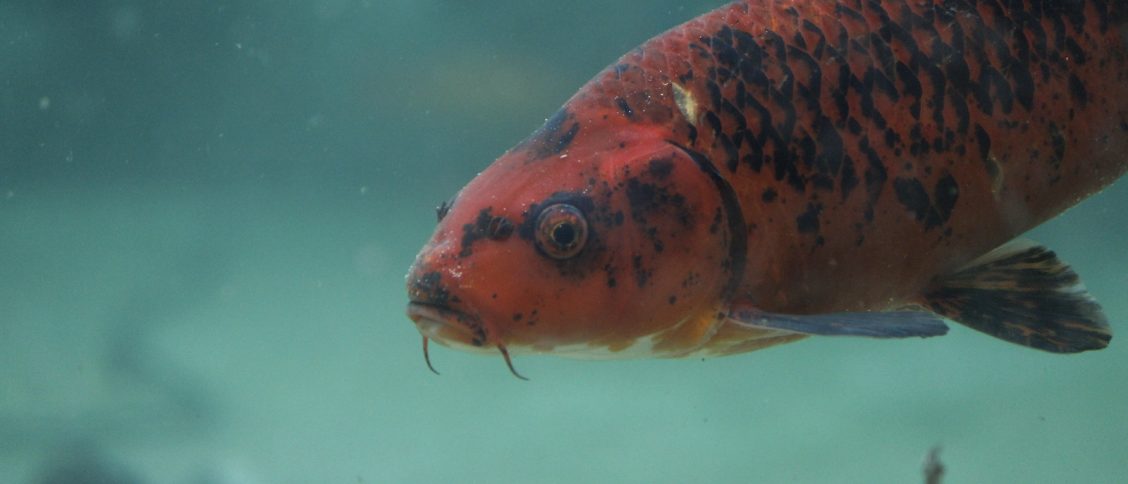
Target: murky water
206	213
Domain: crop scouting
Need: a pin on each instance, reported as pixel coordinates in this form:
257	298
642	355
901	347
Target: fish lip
437	321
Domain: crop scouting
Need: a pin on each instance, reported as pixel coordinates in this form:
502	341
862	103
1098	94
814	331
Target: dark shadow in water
150	399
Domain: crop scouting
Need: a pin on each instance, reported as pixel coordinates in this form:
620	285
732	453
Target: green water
206	212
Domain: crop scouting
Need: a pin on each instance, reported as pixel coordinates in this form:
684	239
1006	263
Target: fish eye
562	231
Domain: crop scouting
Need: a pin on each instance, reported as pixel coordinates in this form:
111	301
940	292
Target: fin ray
1022	293
884	324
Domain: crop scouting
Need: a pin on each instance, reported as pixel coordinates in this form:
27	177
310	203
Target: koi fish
777	169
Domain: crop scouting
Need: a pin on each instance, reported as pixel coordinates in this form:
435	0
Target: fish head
609	247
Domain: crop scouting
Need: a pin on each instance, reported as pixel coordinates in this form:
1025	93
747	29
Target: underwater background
207	210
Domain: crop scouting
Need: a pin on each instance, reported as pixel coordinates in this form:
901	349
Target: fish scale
888	110
776	169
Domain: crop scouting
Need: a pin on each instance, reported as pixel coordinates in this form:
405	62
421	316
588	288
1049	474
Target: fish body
781	168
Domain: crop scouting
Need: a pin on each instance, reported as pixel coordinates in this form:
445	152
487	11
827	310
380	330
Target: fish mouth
445	325
452	328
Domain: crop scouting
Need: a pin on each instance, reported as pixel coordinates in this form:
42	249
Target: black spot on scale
429	289
624	107
849	178
715	225
647	198
1023	85
1057	141
984	142
911	194
910	88
875	176
473	232
642	274
947	192
553	138
1077	91
808	221
1076	53
660	168
843	9
932	211
769	195
566	139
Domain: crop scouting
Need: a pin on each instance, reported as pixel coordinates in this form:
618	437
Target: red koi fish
776	169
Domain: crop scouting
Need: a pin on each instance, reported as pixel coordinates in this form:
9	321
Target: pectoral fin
876	324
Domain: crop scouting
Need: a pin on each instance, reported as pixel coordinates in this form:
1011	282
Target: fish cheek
666	240
551	296
657	242
677	214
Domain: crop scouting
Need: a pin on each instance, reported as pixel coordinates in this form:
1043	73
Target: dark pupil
564	234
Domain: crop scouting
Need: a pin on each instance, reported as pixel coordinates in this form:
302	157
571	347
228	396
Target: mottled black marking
939	88
910	87
646	198
769	195
844	10
810	89
878	81
911	194
553	138
990	164
737	227
808	221
1076	53
849	179
983	141
624	107
477	230
428	289
947	192
830	148
931	210
1077	91
500	228
1057	142
660	168
875	176
610	273
642	274
963	120
917	144
715	224
839	93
